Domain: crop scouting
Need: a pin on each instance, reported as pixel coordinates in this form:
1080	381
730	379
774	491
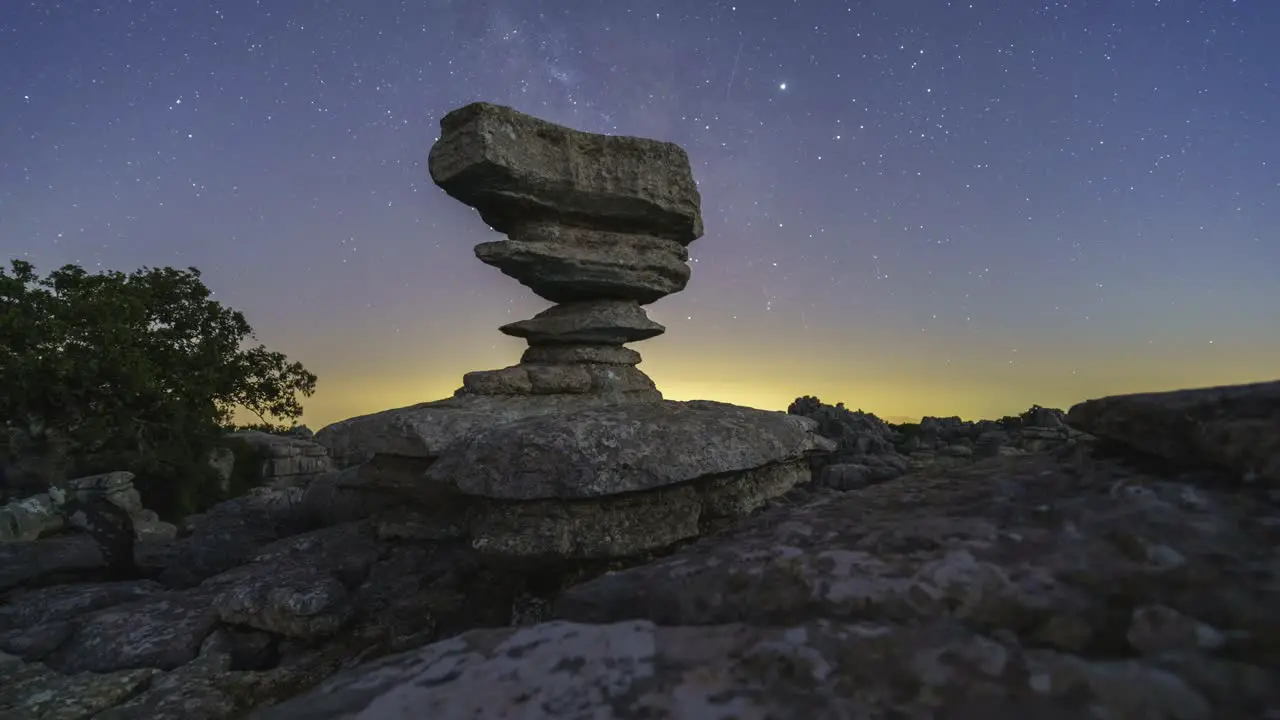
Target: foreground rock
870	450
1057	585
1235	427
288	613
636	669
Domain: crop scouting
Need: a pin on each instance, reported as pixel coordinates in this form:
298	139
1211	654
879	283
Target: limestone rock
592	265
111	527
1236	427
598	224
289	460
1158	629
582	353
592	322
635	669
64	602
423	431
293	600
628	525
47	561
36	642
869	450
222	460
340	497
161	631
229	535
116	487
622	381
35	691
295	587
845	476
516	169
942	545
620	449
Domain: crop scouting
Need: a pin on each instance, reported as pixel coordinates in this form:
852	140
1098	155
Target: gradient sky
918	207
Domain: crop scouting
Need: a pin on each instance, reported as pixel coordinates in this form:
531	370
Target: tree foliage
143	368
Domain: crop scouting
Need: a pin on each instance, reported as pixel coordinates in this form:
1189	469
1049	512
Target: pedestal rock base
622	382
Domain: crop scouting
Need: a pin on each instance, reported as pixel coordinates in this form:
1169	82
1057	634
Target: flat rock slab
423	431
624	382
516	168
1017	543
34	691
1236	427
297	587
43	562
592	322
634	670
625	448
67	601
596	266
580	354
162	631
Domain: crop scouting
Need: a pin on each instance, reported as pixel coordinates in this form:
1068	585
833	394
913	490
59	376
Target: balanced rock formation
599	225
572	453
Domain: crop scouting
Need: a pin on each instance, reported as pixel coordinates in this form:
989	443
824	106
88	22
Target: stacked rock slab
599	225
572	453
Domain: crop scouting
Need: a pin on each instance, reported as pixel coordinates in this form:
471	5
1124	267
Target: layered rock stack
572	453
599	225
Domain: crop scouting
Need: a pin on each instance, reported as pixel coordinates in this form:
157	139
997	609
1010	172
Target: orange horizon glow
972	390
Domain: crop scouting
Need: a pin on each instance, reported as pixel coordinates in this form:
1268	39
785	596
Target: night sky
918	207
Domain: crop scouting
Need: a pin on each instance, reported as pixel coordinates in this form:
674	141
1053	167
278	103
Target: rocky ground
1080	580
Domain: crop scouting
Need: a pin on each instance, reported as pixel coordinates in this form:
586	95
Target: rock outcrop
869	450
1068	582
572	453
287	461
1061	583
254	602
1235	428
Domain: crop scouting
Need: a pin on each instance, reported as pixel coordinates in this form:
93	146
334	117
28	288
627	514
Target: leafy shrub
138	371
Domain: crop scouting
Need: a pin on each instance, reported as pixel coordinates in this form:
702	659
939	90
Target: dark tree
138	371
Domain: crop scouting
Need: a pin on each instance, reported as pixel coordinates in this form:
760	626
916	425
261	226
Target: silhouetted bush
138	372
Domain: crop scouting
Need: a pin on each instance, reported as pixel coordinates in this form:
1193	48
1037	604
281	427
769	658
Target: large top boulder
516	168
